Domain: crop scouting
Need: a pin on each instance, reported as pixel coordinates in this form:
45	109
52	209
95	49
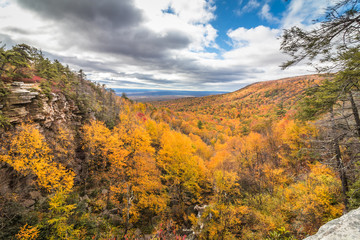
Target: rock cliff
346	227
26	102
53	112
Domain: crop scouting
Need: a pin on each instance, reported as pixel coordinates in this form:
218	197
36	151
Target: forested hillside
79	162
249	108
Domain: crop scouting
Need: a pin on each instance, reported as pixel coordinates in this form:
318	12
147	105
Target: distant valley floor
148	95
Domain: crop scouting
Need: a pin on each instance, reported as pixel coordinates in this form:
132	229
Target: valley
81	162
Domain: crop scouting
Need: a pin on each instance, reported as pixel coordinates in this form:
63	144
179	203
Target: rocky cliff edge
346	227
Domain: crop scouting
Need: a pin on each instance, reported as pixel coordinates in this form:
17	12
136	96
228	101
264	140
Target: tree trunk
129	199
355	113
339	162
84	159
108	196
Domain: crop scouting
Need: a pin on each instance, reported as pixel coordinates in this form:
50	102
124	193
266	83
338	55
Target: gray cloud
147	77
109	13
17	30
138	43
86	65
110	26
115	28
7	40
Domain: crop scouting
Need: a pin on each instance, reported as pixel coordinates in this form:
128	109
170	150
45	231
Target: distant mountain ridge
268	94
146	95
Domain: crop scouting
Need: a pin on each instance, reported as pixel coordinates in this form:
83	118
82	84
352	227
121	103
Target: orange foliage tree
183	171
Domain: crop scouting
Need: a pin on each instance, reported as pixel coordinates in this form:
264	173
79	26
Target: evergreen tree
339	30
336	43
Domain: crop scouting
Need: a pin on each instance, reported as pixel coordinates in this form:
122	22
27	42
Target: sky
163	44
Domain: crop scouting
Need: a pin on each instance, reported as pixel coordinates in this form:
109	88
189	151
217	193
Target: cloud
112	14
110	26
154	44
128	34
302	13
6	40
250	6
4	3
265	14
256	46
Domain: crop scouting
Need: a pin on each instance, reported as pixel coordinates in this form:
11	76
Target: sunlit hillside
255	98
250	108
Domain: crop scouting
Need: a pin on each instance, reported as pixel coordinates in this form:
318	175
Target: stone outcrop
26	102
346	227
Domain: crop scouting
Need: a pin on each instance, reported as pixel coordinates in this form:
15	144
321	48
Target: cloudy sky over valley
162	44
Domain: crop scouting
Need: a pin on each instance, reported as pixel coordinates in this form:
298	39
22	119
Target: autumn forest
274	160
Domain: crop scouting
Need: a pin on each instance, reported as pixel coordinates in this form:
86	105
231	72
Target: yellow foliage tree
184	172
103	149
62	146
292	139
27	233
28	153
314	200
137	186
124	158
58	217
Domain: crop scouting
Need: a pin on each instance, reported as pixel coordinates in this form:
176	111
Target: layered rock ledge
26	103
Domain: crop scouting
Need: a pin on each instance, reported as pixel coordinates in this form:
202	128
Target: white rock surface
347	227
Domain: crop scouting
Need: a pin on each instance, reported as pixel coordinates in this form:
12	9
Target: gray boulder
347	227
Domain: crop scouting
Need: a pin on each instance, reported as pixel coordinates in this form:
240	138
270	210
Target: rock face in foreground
346	227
